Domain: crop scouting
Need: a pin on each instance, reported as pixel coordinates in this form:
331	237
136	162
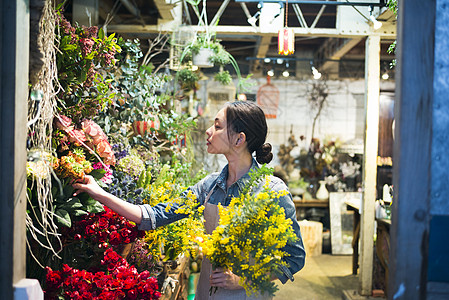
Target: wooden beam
261	50
249	30
339	52
412	149
14	50
220	11
263	46
372	77
165	9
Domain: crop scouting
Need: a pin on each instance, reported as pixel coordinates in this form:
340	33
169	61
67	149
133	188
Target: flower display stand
176	282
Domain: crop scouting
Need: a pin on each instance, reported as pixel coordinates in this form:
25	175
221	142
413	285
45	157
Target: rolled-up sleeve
159	215
148	218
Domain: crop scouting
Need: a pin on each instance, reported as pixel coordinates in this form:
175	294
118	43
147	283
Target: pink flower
94	131
63	123
86	46
107	178
76	136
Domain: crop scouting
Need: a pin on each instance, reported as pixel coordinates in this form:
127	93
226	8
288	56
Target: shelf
310	203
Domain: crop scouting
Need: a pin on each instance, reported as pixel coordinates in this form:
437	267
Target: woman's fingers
80	184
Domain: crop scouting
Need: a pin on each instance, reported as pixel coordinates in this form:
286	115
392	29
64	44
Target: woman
239	130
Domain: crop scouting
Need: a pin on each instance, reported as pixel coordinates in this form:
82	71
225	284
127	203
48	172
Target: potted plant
223	77
206	51
188	79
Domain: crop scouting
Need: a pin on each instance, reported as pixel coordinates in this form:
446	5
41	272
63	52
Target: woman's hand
225	279
88	185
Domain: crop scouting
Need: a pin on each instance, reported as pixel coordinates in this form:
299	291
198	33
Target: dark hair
247	117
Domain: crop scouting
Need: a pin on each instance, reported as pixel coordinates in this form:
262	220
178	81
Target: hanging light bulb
270	73
376	24
285	73
286	37
316	74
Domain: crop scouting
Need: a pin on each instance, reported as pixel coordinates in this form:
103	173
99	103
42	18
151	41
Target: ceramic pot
201	59
143	127
322	193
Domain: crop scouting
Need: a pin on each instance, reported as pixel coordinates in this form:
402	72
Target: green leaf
69	47
101	33
94	207
63	217
97	173
79	212
91	55
73	204
83	76
68	191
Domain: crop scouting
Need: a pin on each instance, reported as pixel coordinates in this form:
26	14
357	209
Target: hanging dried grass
40	222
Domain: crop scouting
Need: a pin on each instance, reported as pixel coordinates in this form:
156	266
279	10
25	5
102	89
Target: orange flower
105	151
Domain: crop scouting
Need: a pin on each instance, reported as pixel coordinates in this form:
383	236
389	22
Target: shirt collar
241	182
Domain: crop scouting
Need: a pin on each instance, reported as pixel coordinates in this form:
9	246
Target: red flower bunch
106	228
120	281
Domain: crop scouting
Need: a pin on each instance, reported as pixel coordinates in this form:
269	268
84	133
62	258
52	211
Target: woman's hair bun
263	154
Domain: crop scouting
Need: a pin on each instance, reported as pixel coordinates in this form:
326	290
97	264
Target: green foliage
142	95
393	6
223	77
256	177
84	59
188	79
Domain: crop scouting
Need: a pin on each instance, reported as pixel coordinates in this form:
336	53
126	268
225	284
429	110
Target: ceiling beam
344	3
335	49
220	12
165	9
249	30
106	12
262	46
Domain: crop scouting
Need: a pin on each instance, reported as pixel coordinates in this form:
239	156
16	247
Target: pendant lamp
286	37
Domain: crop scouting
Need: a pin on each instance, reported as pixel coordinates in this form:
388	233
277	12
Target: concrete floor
323	277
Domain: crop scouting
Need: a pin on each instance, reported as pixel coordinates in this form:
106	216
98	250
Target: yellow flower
252	231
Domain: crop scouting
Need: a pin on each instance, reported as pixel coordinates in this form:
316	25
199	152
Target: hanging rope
286	12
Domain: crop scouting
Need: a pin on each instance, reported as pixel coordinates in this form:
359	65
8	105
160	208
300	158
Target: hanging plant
188	79
223	77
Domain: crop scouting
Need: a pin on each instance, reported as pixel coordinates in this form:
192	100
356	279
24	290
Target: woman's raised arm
89	185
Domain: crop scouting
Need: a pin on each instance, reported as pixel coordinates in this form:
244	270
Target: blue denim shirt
156	216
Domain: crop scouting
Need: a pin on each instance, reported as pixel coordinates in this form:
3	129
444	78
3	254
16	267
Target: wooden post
412	150
372	76
14	43
438	249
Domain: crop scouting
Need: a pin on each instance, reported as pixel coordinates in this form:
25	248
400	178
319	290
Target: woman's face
217	135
